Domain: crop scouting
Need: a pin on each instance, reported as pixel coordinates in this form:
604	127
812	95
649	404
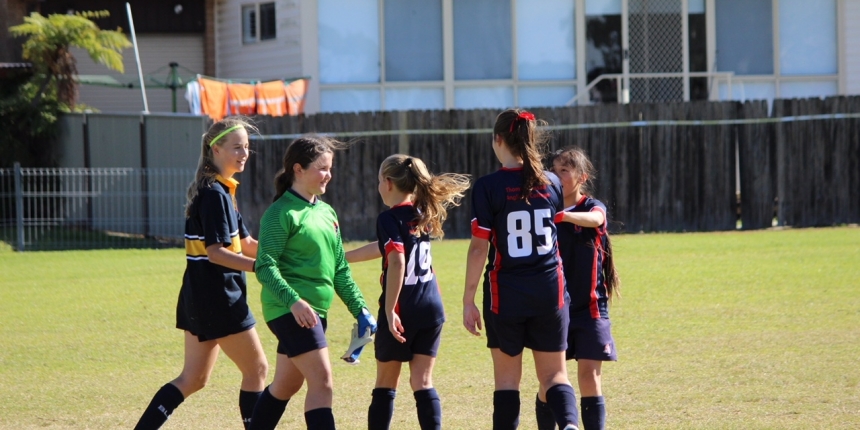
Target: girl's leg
426	399
246	351
382	399
316	368
552	374
287	382
199	360
592	403
507	373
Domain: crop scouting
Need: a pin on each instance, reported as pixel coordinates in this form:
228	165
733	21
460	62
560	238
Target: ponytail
519	130
611	280
432	194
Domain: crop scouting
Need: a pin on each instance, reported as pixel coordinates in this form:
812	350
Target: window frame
257	9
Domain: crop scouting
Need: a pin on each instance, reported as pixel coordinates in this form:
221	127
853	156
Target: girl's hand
304	314
472	319
396	327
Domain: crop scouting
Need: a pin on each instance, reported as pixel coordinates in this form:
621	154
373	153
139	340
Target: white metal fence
91	208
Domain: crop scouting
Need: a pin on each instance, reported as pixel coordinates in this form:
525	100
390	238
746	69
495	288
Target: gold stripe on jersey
195	248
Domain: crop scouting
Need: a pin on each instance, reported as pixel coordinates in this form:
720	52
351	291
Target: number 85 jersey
524	275
419	304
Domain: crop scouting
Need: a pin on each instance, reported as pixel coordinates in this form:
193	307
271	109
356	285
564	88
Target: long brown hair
576	159
206	168
304	151
521	135
432	194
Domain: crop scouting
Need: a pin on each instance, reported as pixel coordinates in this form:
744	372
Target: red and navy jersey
523	276
419	304
583	251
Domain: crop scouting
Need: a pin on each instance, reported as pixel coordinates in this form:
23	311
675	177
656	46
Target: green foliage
29	107
28	129
50	38
738	330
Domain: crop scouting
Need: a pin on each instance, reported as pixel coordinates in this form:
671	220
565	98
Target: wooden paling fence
675	175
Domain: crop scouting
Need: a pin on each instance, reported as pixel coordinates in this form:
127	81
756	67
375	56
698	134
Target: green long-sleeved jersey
300	256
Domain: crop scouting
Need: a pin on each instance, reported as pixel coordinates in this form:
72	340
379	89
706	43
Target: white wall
265	60
156	51
851	38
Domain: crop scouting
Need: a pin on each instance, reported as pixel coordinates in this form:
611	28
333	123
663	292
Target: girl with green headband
213	310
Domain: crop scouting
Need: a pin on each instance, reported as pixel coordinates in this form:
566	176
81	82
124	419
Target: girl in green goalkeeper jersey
213	308
301	265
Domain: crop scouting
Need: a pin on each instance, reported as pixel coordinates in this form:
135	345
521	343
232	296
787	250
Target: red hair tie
528	116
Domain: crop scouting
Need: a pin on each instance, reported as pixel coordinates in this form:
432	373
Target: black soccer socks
562	400
593	413
165	400
543	414
247	402
381	408
506	409
429	409
319	419
268	411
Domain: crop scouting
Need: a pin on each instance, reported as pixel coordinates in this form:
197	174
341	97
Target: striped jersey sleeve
274	234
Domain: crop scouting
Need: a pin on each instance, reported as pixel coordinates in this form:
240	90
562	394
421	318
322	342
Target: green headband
224	133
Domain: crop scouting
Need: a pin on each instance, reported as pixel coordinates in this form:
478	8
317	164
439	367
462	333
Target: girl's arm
364	253
344	286
222	256
393	286
249	247
591	219
478	249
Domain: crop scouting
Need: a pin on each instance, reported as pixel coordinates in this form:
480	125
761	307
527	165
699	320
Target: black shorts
545	333
590	339
423	341
295	340
208	337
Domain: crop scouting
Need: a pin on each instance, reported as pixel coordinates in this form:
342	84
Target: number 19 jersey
419	304
524	275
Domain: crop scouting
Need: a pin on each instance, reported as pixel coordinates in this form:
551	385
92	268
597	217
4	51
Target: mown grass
738	330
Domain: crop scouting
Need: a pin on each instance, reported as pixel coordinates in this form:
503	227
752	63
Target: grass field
738	330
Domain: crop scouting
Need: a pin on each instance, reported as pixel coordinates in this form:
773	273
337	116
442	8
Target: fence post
19	208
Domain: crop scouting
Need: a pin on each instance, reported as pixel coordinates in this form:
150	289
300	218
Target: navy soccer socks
506	409
543	414
562	400
267	412
429	409
165	400
247	402
593	413
319	419
381	408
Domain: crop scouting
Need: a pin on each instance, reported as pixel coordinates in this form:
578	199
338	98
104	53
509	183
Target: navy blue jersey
523	276
213	298
419	304
583	251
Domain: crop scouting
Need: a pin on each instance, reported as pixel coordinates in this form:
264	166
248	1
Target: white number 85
520	232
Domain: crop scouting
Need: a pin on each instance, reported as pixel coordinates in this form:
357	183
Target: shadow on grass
78	238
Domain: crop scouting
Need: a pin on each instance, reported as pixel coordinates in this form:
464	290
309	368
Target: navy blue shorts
295	340
590	339
423	341
544	333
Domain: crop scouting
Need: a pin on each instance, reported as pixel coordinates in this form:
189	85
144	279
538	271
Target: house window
392	54
745	36
258	22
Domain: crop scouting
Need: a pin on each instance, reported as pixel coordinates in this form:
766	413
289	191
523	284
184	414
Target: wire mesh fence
92	208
